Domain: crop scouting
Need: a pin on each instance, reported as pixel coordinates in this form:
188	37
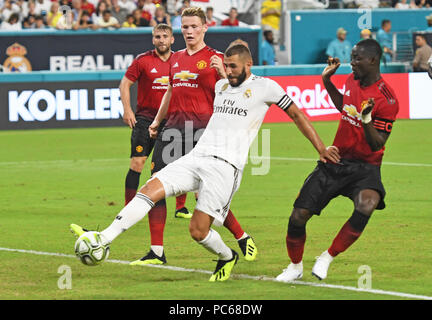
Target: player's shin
128	216
234	226
295	241
349	233
157	220
181	201
214	243
131	185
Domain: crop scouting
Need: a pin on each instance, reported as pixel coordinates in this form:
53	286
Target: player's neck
195	48
370	80
164	57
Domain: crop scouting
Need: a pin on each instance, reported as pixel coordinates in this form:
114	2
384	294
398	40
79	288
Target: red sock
295	247
344	239
233	225
129	195
180	201
157	219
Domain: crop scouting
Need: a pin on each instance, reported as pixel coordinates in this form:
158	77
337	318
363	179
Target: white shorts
215	180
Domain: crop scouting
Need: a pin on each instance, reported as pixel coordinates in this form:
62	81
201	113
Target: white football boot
321	265
291	273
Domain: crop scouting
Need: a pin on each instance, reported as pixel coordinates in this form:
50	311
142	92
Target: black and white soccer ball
91	249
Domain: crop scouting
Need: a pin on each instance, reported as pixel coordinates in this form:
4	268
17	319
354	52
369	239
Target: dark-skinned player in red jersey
368	109
194	72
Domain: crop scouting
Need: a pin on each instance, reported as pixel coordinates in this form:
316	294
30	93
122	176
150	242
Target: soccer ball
90	249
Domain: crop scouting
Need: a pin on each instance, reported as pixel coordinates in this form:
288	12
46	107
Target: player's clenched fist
153	129
366	112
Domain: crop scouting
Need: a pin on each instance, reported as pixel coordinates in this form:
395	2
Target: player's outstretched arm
128	114
162	112
375	139
329	71
305	126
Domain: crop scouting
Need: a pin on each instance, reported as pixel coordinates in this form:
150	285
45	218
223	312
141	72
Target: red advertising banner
309	94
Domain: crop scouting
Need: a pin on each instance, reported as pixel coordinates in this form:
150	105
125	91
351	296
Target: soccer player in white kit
214	167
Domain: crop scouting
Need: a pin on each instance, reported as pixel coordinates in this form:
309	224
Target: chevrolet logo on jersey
352	111
185	75
163	80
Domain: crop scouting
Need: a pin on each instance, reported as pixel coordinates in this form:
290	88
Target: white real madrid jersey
238	113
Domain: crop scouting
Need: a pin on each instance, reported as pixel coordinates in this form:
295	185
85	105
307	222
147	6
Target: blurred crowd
89	14
398	4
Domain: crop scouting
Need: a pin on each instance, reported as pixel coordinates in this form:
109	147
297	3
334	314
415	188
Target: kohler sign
60	104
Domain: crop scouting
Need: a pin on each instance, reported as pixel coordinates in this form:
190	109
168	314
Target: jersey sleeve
385	115
134	71
274	94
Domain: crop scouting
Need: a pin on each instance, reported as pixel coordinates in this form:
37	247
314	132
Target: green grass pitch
51	178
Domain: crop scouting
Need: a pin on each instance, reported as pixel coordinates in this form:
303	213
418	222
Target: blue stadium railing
291	70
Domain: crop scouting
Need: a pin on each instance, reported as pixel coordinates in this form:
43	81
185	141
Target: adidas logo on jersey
153	70
348	93
175	65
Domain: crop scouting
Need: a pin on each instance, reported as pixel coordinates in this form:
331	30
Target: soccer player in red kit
151	70
194	72
368	109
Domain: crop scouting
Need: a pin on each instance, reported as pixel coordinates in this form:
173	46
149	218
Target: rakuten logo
43	105
315	102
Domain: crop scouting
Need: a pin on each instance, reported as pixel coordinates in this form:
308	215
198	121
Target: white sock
214	243
158	250
245	235
135	210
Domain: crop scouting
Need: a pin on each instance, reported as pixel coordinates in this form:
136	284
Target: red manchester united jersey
193	84
152	74
350	137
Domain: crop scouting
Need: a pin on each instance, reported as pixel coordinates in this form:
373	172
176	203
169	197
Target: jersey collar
240	87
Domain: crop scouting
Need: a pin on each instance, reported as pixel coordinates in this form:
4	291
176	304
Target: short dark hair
266	32
371	47
107	11
384	22
421	36
239	49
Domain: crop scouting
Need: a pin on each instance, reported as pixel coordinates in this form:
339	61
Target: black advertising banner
100	50
61	104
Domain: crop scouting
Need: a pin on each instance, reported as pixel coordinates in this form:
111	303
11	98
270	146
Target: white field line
240	276
126	160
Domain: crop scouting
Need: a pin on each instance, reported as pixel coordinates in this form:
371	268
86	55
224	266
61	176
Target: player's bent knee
137	163
300	216
367	201
196	233
154	190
